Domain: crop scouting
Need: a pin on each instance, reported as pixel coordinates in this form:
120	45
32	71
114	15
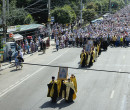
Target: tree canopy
28	11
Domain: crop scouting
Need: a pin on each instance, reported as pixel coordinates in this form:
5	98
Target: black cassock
63	88
70	98
55	94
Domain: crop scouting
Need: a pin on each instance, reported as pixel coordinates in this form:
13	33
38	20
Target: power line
29	13
33	4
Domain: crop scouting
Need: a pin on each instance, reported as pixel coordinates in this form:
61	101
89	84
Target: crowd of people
114	30
62	89
31	45
26	46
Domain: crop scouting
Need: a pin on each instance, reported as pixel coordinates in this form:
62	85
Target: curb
5	67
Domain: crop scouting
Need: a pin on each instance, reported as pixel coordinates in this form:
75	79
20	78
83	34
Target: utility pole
81	7
49	18
125	2
110	6
4	18
8	7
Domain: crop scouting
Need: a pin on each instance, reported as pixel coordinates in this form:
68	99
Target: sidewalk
6	64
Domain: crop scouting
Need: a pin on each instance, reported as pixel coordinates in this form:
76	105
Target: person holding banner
70	91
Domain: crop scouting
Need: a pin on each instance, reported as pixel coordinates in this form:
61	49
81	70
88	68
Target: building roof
19	28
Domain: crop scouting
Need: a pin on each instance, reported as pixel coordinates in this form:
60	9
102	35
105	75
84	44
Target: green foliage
64	15
71	7
99	7
29	19
92	5
121	3
61	15
19	17
114	5
89	14
70	11
13	4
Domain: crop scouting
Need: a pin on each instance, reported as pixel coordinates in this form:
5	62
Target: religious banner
87	48
63	73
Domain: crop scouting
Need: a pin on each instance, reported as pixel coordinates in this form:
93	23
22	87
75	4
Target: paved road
101	87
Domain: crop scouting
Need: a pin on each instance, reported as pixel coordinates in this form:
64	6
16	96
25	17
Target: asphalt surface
104	86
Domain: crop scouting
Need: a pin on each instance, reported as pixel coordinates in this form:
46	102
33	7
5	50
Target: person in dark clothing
83	59
10	55
91	58
44	47
62	89
52	90
41	45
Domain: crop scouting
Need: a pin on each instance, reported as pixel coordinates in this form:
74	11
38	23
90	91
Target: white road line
24	77
86	70
5	90
124	102
112	94
17	82
27	77
11	86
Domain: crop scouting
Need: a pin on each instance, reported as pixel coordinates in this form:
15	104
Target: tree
61	15
89	14
71	12
19	17
64	14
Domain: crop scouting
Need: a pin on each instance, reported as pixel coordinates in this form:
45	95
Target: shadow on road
78	68
54	51
41	54
60	105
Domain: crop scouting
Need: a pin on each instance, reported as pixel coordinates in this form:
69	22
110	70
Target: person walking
10	55
70	91
52	90
57	44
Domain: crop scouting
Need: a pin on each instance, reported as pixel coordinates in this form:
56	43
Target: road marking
112	94
27	77
17	82
5	90
124	102
119	70
86	70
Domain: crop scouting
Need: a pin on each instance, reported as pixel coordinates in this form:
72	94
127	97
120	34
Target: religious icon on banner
63	73
90	42
87	48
